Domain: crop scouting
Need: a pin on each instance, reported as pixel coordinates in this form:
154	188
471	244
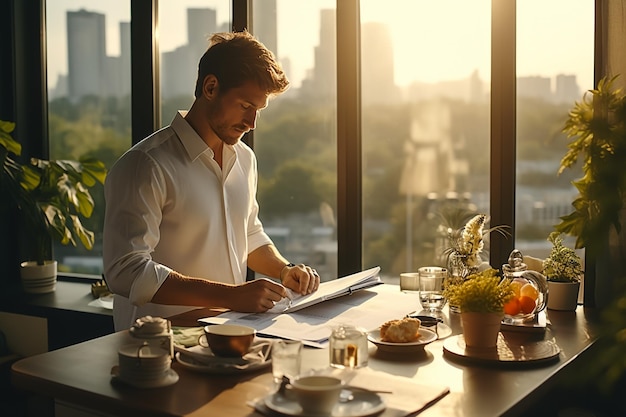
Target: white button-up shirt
169	206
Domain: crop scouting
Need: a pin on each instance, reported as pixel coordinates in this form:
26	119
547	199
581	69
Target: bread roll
400	331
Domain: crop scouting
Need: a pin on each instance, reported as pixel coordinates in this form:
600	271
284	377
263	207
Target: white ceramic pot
39	279
481	330
563	295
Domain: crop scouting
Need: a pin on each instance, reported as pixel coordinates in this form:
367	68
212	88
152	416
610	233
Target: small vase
459	270
563	295
480	330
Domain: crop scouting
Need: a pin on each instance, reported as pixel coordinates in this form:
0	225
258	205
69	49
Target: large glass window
554	69
296	136
88	46
425	71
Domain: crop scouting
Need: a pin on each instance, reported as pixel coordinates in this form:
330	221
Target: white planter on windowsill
39	279
563	295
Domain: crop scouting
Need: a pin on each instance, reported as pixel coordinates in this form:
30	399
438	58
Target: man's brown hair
235	58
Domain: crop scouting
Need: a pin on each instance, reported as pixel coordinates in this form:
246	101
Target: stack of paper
359	299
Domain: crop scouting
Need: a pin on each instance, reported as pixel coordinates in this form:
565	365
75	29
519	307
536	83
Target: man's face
234	113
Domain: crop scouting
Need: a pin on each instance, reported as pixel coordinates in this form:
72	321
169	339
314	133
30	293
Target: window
296	137
89	99
548	84
425	114
425	74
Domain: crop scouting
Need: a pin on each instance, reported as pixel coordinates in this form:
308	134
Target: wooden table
79	376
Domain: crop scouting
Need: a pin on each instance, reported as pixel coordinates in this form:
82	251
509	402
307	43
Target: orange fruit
529	291
512	307
516	286
527	304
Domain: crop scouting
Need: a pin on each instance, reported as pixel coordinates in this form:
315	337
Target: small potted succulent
481	299
563	269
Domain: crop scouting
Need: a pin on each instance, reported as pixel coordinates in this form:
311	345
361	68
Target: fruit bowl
531	295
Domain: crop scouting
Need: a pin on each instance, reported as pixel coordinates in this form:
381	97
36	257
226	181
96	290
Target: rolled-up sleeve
134	194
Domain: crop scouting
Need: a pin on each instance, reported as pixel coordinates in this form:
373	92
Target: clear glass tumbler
431	287
286	358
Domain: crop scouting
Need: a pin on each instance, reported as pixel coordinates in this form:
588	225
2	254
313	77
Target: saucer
426	337
202	359
363	404
224	367
171	377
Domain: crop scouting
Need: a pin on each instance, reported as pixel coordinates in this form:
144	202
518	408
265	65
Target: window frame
24	87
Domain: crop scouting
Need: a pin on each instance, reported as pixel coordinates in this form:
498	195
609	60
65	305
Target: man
181	224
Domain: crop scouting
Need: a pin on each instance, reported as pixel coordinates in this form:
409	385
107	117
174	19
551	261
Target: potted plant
53	198
562	268
597	126
481	299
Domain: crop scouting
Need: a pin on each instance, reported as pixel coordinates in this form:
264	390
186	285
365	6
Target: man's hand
256	296
300	278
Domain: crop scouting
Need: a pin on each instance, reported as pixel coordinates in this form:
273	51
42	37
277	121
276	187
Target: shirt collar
192	142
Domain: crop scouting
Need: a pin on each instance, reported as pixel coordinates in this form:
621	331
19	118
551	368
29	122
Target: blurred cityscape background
425	145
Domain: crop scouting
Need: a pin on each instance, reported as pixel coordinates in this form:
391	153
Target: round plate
426	337
170	378
220	368
363	404
506	351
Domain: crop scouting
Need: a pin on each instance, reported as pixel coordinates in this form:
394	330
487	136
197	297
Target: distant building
264	24
86	53
534	87
90	70
180	66
567	90
322	80
377	76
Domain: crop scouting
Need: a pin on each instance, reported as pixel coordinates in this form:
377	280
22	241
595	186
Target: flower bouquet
464	253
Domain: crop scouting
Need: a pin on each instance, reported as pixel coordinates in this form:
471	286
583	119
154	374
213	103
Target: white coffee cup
317	394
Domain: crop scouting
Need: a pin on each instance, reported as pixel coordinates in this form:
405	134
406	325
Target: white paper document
329	290
367	308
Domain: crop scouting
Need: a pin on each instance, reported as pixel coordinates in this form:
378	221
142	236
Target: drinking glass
286	357
431	279
410	282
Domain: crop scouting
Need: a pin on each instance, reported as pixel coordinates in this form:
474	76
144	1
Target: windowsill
70	319
70	295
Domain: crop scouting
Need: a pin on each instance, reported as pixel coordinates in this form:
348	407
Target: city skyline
575	32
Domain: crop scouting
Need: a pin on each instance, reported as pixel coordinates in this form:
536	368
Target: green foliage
483	292
597	125
53	195
293	189
563	264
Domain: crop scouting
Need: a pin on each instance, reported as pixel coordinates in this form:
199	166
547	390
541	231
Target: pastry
400	331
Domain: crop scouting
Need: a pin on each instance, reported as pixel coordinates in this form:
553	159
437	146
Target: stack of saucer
145	366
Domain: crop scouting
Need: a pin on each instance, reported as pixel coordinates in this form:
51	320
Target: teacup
228	340
143	362
317	394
